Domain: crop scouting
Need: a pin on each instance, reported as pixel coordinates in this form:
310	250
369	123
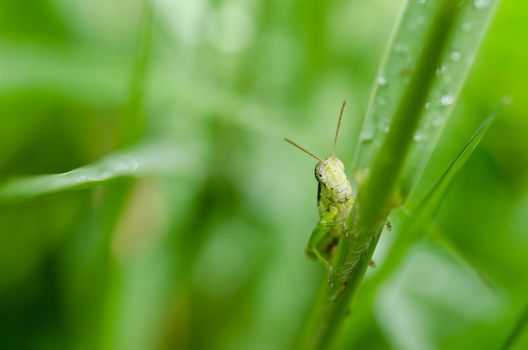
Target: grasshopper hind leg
321	245
314	252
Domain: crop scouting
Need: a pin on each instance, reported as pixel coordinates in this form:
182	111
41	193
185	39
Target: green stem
376	195
119	193
133	117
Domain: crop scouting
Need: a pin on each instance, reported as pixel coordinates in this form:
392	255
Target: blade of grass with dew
376	192
144	160
392	78
470	26
416	222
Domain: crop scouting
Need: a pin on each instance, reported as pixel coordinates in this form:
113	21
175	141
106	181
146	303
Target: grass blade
421	215
376	193
133	122
470	26
426	208
140	161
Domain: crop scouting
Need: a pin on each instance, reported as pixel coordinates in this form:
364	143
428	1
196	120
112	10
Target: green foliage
184	220
378	183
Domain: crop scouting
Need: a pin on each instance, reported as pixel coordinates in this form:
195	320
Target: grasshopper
334	200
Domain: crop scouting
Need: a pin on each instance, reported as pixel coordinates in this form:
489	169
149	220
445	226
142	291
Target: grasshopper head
330	173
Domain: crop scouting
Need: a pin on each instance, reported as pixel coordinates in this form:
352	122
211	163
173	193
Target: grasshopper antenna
302	149
338	126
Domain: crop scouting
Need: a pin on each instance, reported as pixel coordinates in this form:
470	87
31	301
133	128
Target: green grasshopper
335	201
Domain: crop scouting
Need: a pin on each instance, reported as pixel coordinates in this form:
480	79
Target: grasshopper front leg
324	226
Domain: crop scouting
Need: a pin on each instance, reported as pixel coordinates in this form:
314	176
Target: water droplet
367	135
442	69
418	137
466	26
438	121
421	2
507	100
381	80
425	125
446	100
427	105
481	4
384	125
455	56
400	47
420	20
81	179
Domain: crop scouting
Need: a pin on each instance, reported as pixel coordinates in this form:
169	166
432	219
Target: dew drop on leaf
400	48
81	179
367	135
384	125
446	100
438	121
481	4
442	69
418	137
420	20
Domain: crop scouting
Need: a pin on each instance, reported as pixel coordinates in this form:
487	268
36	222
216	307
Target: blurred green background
209	254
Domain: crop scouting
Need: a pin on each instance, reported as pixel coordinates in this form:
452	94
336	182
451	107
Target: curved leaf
137	162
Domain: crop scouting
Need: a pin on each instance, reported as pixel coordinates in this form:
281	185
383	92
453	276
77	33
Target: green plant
392	152
183	222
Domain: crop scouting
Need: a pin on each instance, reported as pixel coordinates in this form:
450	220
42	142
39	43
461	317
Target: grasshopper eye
320	175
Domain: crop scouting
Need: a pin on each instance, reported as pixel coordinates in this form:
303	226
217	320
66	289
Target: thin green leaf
420	216
470	26
141	161
133	118
426	208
